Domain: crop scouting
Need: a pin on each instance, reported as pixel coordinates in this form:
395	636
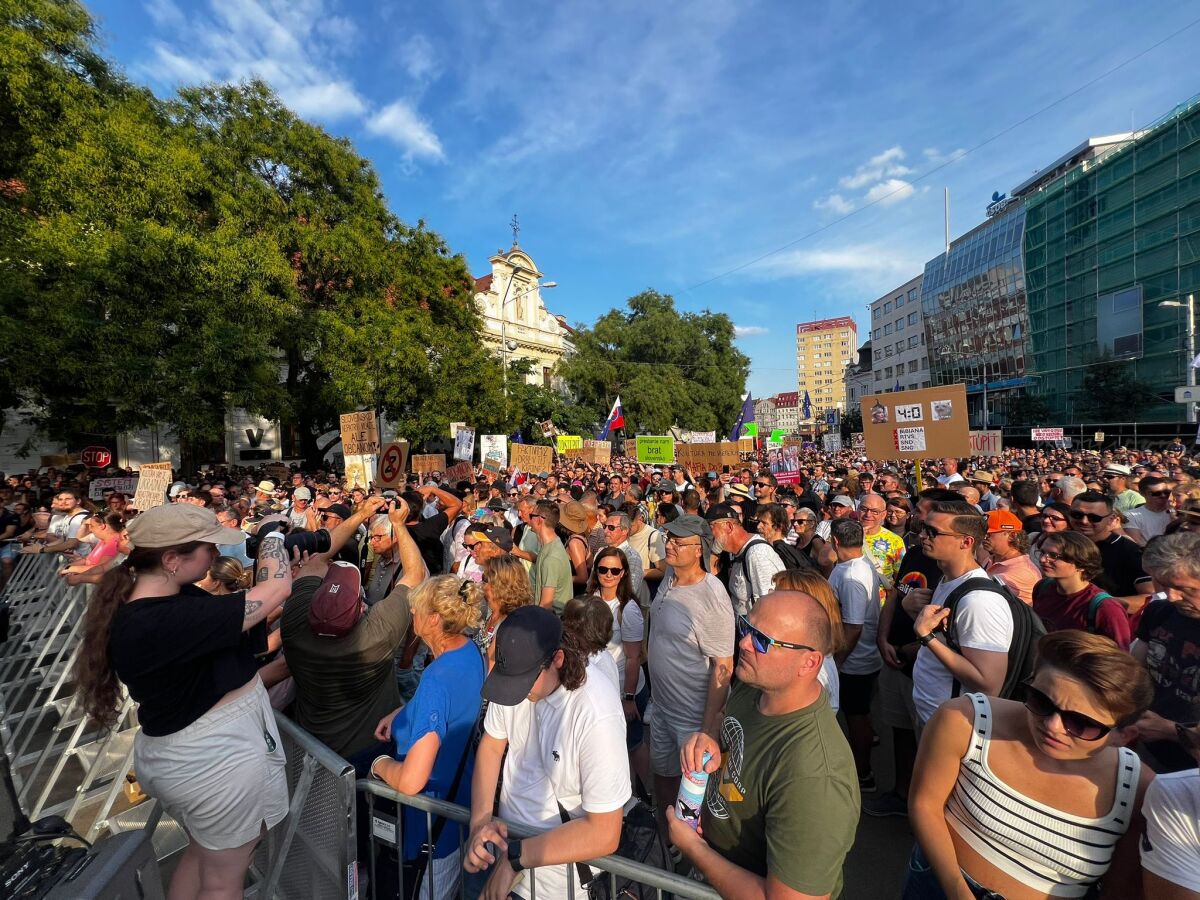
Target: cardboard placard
745	445
454	426
708	457
987	443
631	448
460	471
120	485
359	469
920	424
494	445
393	463
532	458
153	481
655	450
424	463
858	442
360	433
492	464
567	442
597	452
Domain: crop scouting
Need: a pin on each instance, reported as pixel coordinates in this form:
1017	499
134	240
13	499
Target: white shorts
666	740
223	776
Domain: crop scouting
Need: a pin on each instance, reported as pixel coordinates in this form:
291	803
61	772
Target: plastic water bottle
690	799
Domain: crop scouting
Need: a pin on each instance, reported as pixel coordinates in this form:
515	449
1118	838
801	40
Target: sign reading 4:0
909	412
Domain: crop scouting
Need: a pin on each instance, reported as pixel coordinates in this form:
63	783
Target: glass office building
973	298
1112	260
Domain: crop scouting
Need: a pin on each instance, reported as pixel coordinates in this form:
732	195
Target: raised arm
413	565
273	581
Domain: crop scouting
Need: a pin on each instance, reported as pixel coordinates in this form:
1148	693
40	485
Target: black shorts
855	693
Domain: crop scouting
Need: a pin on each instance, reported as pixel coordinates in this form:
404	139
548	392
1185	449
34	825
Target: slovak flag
616	419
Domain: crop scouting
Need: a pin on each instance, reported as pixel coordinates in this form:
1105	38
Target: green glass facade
1105	245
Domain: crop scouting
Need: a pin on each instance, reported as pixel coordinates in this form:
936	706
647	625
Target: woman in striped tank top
1040	799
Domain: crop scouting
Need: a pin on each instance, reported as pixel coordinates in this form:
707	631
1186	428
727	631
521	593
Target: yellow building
823	350
517	324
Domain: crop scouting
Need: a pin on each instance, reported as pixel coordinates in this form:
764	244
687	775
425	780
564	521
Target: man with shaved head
783	802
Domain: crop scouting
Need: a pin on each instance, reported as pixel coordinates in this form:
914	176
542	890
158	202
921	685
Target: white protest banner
120	485
152	486
464	444
360	467
1046	434
495	445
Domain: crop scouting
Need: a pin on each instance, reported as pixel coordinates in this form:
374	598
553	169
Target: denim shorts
921	883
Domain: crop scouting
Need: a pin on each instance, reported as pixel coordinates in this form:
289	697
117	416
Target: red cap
334	610
1003	520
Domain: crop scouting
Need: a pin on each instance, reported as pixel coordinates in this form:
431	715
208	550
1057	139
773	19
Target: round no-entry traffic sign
95	457
391	465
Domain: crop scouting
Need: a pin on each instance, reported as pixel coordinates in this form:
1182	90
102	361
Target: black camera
306	541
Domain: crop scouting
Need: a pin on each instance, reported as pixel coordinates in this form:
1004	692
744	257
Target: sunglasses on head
607	570
763	642
1085	728
1095	518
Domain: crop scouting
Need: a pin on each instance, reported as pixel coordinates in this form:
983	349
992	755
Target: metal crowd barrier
388	833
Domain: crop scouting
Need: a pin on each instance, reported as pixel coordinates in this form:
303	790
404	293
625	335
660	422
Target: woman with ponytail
208	749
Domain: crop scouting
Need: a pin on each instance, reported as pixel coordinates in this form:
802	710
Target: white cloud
883	165
749	330
834	203
330	101
891	191
418	58
863	268
399	123
164	13
935	157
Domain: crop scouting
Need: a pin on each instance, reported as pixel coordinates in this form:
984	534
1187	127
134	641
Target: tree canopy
670	368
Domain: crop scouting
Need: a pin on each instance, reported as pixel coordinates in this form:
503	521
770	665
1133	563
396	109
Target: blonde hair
229	572
510	583
815	585
455	600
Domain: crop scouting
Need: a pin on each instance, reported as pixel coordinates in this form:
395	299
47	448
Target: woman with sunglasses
610	582
506	587
1055	518
1039	799
1067	598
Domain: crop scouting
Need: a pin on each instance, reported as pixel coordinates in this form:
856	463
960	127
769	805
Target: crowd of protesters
1026	625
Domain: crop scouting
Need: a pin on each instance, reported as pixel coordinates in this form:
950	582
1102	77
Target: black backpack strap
951	603
584	870
745	554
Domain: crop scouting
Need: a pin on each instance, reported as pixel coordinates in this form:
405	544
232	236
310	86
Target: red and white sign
96	457
986	443
1047	434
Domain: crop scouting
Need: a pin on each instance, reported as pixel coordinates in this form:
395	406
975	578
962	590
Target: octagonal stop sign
96	457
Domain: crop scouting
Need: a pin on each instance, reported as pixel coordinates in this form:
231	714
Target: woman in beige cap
208	748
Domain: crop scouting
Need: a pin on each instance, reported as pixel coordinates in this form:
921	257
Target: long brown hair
96	684
624	586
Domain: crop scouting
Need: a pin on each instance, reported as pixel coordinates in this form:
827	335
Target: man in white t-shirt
565	737
1151	519
983	624
949	472
1171	843
753	562
856	583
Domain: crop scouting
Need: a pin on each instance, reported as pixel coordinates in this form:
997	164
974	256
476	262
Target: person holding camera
208	749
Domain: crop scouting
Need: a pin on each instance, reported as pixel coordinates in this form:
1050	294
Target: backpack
1028	629
751	599
1094	609
793	558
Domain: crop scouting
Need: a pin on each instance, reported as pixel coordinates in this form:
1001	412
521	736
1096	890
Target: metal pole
1191	353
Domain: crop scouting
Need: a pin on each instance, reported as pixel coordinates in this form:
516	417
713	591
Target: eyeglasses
1085	728
765	484
674	541
762	642
1046	518
874	510
933	534
606	570
378	537
471	547
1095	518
1051	555
1158	493
613	527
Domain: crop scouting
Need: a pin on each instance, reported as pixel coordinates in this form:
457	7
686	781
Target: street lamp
504	348
1189	345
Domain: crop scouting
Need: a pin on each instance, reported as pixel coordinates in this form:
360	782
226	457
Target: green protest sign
655	450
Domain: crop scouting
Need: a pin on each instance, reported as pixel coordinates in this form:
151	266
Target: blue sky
664	145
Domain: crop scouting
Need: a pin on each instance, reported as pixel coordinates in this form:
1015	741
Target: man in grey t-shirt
690	651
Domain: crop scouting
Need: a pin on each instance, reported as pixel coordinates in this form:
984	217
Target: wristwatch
628	696
514	856
925	639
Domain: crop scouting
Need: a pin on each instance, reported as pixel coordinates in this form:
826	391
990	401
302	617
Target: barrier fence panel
386	832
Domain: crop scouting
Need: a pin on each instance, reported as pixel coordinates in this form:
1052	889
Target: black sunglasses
1085	728
606	570
762	642
1095	518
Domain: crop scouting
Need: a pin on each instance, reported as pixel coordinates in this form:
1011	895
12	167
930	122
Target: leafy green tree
1028	409
670	368
851	422
1111	391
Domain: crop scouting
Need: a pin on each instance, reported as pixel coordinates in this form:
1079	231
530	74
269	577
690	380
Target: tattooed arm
273	581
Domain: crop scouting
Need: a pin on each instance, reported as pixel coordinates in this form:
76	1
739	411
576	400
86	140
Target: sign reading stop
95	457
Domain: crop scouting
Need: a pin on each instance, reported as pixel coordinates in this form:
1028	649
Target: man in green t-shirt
551	573
782	802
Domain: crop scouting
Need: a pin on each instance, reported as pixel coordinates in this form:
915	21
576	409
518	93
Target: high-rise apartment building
823	350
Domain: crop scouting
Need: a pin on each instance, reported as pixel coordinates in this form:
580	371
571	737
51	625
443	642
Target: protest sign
930	422
858	442
424	463
360	433
986	443
532	458
97	487
548	428
152	486
454	426
567	442
832	442
701	437
460	471
494	445
464	444
708	457
631	448
655	450
360	467
393	463
492	464
597	452
1046	434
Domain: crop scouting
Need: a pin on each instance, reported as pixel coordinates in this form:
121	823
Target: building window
899	301
899	324
887	307
545	376
887	329
912	295
912	341
875	312
912	318
925	363
878	376
899	347
887	373
912	365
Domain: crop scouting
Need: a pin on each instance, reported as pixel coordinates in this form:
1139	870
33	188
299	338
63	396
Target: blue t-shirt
446	703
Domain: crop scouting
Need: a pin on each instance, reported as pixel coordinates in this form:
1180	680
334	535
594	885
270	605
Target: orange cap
1003	520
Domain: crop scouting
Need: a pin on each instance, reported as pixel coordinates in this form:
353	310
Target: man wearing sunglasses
1151	520
783	812
1116	476
1093	516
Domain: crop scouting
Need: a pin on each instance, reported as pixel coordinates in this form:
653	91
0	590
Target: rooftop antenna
516	228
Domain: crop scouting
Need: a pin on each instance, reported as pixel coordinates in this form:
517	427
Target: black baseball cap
525	643
719	511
